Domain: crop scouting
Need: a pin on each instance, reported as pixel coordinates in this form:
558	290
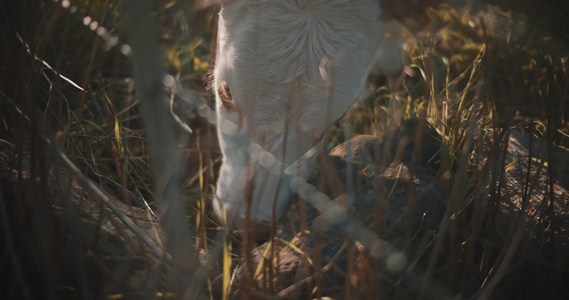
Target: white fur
293	67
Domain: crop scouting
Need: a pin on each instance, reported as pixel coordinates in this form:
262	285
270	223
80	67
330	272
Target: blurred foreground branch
164	145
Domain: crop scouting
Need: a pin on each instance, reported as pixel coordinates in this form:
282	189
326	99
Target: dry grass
80	215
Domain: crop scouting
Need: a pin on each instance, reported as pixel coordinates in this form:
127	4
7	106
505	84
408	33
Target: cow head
285	71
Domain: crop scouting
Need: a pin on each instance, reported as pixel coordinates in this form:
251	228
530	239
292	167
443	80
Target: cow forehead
281	41
274	51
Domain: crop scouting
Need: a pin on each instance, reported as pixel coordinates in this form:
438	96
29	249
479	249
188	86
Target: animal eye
224	95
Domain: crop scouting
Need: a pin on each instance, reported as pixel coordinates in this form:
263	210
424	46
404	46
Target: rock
400	205
398	145
360	150
393	201
272	269
545	165
399	199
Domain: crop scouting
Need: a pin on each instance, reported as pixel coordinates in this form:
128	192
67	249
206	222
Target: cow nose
252	230
247	228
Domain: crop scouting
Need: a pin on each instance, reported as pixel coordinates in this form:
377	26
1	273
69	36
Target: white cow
285	71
